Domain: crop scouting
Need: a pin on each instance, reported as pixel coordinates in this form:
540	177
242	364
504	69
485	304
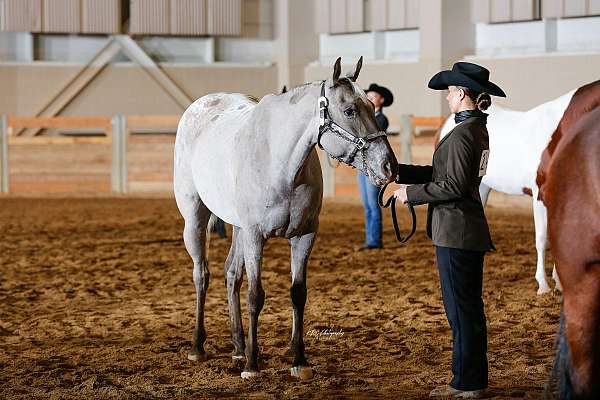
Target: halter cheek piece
326	124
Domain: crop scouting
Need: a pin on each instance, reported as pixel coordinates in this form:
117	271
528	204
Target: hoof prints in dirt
98	302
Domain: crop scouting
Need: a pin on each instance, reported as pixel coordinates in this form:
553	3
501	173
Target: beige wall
125	88
8	83
528	81
408	82
532	80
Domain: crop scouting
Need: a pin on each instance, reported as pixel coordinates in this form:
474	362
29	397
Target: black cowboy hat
388	97
469	75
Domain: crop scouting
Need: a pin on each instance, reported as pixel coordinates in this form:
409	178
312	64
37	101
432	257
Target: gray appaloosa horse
254	165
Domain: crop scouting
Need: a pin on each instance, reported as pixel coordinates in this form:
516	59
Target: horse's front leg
253	250
301	248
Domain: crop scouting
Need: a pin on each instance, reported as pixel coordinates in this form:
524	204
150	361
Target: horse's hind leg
540	218
234	272
558	285
301	248
196	217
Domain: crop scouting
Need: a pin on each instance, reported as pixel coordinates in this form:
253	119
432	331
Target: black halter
326	124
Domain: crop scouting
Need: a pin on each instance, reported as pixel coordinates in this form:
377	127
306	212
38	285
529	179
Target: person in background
380	97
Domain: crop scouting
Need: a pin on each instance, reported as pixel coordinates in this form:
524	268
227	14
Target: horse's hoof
544	290
250	374
558	287
196	356
302	372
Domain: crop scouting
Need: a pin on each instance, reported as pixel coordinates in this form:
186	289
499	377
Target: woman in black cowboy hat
456	221
380	97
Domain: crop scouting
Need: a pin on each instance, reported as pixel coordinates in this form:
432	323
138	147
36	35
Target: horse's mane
298	89
304	86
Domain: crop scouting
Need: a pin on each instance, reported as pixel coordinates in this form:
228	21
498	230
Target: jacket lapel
450	133
444	139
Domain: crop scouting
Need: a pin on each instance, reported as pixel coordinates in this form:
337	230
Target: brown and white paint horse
569	182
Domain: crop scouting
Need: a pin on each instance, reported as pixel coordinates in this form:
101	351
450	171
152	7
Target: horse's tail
211	223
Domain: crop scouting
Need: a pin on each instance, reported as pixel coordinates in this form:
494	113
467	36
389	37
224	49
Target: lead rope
391	201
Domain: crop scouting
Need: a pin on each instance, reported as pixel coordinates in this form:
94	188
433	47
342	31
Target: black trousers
461	278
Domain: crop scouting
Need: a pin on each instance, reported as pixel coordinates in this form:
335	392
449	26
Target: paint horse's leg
194	236
557	284
540	218
301	248
253	250
484	192
234	272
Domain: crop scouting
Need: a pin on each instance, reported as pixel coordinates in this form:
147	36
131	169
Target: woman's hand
400	194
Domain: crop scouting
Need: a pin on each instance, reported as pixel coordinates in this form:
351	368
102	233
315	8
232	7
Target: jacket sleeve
458	179
410	174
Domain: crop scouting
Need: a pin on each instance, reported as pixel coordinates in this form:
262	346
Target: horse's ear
353	75
337	69
284	89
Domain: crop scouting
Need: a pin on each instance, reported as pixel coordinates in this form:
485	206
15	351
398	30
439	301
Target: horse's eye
350	112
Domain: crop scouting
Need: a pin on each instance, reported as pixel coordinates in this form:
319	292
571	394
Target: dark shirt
382	121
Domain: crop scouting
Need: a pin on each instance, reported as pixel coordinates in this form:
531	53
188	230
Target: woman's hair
482	100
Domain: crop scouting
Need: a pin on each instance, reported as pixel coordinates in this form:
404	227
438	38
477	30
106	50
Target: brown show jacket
455	217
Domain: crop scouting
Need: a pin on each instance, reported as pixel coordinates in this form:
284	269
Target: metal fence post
406	139
118	174
4	153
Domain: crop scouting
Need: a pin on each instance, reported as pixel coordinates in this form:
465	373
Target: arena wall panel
101	16
257	17
500	11
393	14
523	10
20	15
224	17
412	14
575	8
378	15
355	18
150	17
188	17
480	11
569	8
552	8
62	16
396	12
337	16
322	12
594	7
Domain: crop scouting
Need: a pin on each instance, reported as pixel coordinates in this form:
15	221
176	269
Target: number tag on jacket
485	155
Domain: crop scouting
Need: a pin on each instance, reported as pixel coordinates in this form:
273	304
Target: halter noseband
326	124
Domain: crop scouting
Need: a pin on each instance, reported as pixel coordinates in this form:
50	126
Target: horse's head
348	130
